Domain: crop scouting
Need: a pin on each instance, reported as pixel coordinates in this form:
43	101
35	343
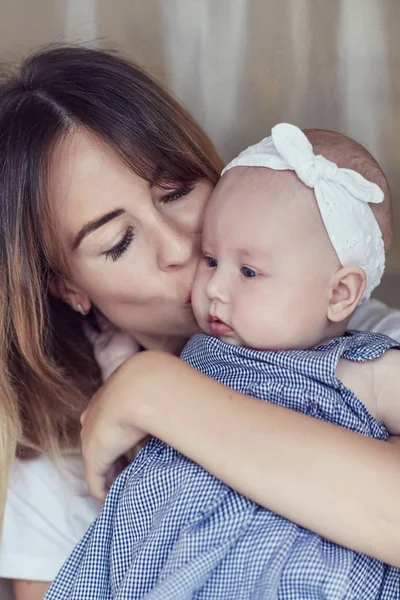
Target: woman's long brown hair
47	371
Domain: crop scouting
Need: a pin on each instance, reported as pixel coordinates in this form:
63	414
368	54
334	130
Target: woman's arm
339	484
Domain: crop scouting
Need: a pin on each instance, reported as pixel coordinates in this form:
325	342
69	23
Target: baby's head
270	277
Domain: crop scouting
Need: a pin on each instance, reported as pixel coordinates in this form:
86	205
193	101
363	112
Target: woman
104	182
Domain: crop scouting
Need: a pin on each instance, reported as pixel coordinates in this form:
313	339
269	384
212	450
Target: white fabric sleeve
48	510
376	316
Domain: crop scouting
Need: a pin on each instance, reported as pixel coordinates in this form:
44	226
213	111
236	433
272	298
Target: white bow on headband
342	196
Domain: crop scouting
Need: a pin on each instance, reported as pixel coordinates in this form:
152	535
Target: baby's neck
332	331
335	330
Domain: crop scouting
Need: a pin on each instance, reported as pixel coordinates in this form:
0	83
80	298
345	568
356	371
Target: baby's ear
346	288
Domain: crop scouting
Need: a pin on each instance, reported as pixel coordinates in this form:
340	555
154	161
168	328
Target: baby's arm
377	384
387	390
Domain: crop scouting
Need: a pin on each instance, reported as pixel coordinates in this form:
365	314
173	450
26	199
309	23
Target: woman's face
132	248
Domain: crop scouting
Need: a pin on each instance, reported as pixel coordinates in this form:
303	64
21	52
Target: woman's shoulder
48	510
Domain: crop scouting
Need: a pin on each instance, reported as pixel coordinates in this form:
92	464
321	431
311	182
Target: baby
292	243
291	246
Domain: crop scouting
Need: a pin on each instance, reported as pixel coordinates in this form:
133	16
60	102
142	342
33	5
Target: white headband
342	196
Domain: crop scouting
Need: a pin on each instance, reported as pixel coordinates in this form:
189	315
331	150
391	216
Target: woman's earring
80	309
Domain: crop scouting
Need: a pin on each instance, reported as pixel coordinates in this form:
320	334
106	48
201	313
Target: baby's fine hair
349	154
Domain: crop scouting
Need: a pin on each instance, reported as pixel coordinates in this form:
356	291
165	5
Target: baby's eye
247	272
211	262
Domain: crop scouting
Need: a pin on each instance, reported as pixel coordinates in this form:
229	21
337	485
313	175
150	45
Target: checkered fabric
171	531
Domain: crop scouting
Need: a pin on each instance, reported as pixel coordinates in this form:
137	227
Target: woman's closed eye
176	194
117	251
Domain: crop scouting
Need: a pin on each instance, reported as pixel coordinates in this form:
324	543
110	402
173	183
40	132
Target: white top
48	511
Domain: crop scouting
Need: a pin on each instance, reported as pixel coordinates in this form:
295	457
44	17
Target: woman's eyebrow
95	224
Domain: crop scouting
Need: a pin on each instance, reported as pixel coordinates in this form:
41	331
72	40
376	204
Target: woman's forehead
87	179
83	161
81	154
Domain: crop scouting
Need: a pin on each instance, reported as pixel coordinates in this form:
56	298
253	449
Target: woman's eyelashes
176	194
117	251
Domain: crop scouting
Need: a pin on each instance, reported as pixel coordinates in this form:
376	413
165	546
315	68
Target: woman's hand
111	346
109	430
128	408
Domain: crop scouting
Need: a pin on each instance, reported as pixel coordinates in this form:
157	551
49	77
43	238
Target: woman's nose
175	248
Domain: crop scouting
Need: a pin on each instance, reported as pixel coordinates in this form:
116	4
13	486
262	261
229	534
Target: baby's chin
231	339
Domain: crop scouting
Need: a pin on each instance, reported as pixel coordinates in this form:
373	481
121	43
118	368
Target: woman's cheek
191	221
205	190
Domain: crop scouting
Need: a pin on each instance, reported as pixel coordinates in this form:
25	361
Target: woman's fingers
104	445
96	482
108	432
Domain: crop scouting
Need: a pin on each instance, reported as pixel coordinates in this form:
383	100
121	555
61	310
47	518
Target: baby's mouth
218	327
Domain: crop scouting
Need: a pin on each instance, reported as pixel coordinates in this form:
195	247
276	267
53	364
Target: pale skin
141	283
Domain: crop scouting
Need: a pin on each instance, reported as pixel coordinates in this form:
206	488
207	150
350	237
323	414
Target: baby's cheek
251	323
199	301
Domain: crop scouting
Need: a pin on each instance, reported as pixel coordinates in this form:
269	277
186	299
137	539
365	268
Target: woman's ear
346	289
70	294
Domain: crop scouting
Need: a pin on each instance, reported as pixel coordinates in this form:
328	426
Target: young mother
104	179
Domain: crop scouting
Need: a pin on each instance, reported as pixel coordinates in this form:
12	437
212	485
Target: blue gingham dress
171	531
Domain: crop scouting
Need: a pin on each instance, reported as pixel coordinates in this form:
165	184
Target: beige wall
23	24
27	24
242	65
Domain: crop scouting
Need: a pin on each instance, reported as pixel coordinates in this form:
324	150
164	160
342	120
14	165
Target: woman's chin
193	326
195	329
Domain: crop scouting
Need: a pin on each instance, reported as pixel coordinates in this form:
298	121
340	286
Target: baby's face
263	280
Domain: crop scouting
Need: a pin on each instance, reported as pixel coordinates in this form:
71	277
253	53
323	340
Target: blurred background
241	66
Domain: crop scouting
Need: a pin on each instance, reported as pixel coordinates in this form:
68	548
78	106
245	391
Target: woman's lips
218	327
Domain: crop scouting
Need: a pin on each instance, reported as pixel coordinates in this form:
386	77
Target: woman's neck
170	344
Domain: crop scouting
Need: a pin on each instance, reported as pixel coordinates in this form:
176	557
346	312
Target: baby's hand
107	434
111	346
